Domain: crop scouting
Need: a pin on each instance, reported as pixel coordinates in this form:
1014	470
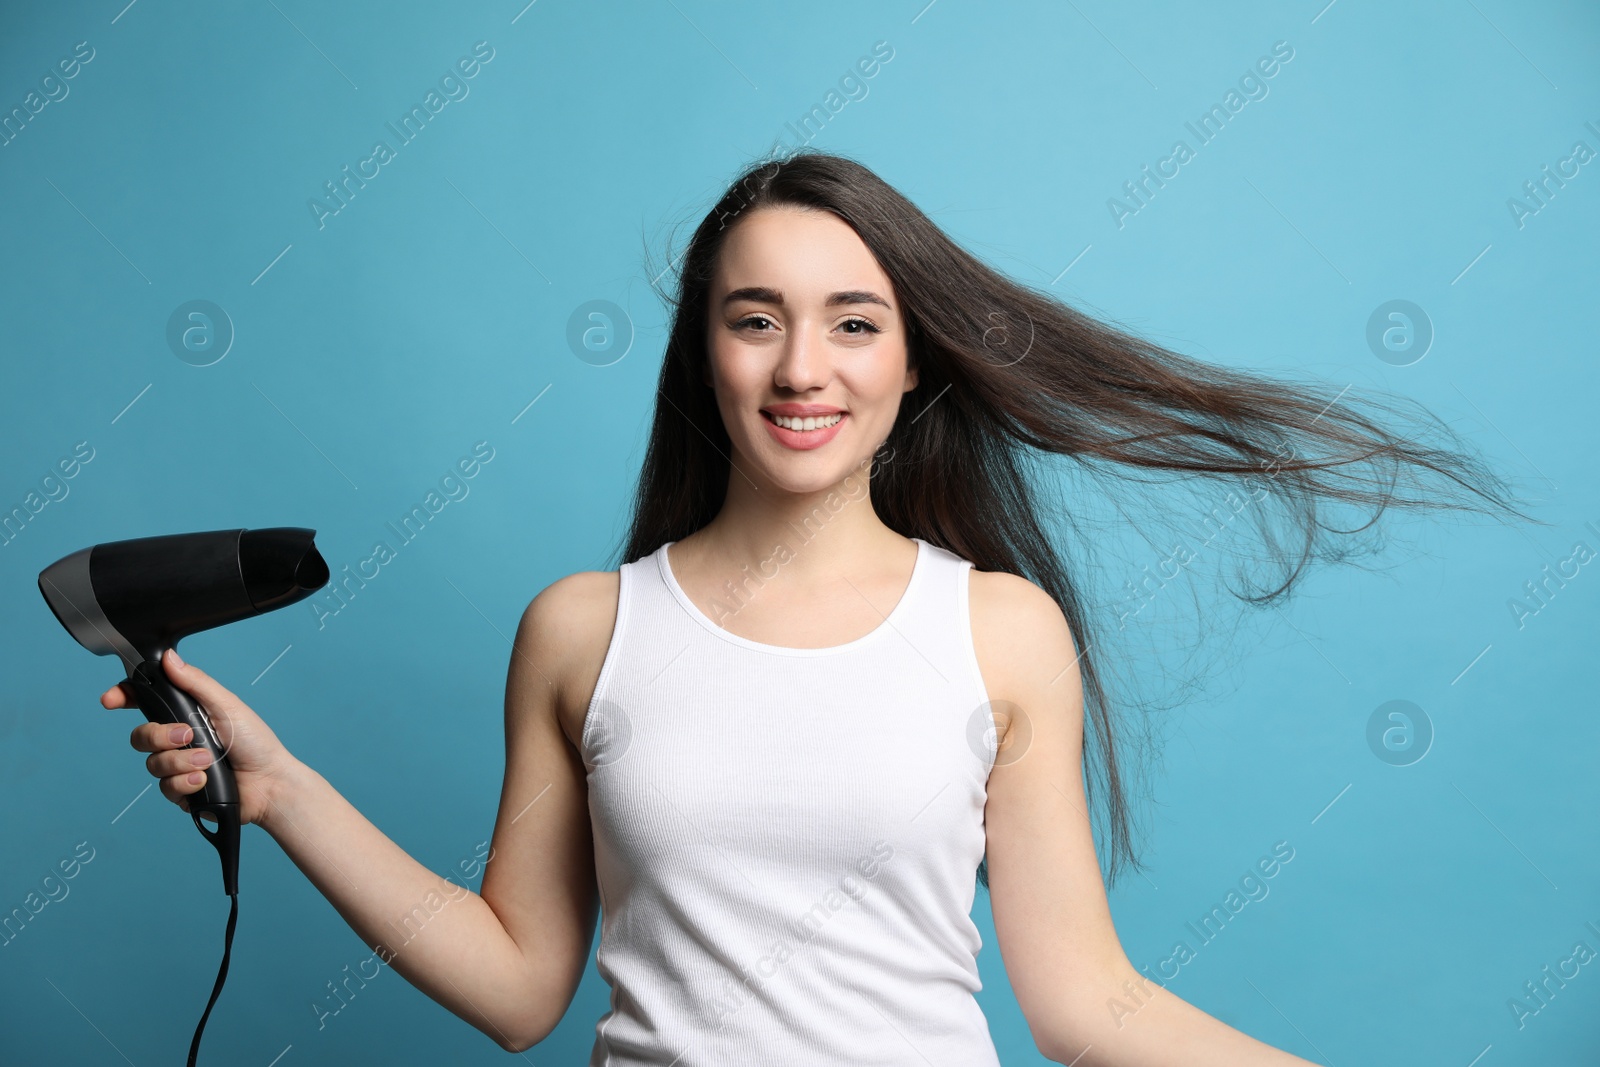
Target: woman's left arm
1084	1002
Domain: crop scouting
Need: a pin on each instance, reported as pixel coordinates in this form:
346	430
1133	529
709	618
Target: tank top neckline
896	614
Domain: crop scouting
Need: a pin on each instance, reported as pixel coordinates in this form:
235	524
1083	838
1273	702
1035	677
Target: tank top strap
935	622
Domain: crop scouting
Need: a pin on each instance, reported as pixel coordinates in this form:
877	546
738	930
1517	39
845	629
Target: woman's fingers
191	679
197	683
160	736
178	762
230	716
178	788
181	771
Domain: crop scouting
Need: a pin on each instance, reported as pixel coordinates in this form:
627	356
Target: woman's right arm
507	960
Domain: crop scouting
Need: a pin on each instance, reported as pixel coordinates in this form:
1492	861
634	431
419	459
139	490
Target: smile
812	422
810	431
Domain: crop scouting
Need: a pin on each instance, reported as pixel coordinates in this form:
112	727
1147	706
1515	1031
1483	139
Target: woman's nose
804	362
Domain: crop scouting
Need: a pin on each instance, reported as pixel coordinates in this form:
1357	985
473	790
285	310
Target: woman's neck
814	536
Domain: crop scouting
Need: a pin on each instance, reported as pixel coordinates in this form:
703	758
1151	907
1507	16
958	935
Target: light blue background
433	309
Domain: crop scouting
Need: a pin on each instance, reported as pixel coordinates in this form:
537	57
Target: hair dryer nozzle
280	566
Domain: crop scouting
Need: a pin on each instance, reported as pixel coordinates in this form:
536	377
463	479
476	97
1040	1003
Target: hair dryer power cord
222	974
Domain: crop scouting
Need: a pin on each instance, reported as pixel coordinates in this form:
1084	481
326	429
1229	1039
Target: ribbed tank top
786	839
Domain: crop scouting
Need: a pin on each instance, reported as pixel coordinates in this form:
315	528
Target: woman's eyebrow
767	295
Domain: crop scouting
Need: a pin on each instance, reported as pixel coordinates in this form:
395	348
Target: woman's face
804	325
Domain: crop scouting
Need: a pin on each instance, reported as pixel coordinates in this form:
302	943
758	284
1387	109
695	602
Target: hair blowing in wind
1011	377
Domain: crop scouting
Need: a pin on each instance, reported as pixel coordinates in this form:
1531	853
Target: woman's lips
802	440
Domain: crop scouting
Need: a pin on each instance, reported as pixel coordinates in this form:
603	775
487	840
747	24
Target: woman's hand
259	760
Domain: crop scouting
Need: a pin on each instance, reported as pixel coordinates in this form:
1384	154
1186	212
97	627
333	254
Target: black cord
222	974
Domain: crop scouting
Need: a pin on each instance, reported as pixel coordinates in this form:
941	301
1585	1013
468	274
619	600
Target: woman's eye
854	327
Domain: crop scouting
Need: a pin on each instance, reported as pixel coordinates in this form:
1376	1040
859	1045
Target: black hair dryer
138	598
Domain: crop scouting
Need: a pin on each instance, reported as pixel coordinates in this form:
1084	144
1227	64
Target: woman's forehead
801	256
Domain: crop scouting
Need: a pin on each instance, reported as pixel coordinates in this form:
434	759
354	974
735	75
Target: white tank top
787	839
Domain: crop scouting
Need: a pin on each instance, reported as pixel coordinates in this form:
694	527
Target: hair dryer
138	598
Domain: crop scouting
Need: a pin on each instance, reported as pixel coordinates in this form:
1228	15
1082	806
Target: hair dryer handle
161	701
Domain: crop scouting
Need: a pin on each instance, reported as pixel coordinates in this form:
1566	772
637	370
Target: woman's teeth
810	422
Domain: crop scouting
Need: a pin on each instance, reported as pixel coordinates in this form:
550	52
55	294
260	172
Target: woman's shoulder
568	627
1016	627
576	590
1003	594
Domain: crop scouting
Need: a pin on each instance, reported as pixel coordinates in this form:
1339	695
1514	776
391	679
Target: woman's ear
912	344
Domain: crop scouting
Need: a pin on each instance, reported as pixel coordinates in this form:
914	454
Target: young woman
842	672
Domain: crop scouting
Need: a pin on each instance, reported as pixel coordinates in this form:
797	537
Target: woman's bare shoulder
574	597
568	626
1016	627
1010	606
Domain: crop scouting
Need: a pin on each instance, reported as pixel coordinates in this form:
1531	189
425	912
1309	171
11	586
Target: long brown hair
1010	375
